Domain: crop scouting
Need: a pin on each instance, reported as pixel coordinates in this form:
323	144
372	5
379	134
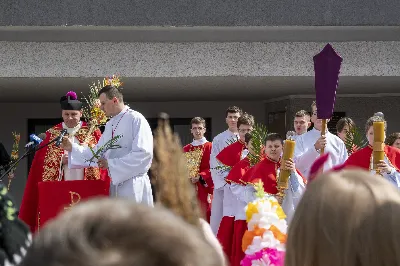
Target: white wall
15	118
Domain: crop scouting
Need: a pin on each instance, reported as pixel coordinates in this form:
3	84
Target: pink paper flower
267	257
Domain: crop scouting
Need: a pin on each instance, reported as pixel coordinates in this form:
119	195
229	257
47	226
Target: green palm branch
109	145
259	135
355	140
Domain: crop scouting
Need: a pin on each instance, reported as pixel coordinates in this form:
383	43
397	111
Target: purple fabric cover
327	67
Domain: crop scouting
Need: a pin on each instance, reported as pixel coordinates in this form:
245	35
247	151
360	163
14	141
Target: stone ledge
27	59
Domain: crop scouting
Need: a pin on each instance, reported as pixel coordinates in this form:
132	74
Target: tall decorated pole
327	68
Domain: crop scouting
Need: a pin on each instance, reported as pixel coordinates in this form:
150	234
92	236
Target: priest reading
389	167
127	165
51	163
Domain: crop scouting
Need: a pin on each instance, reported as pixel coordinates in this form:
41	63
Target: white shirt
305	153
71	174
219	143
136	153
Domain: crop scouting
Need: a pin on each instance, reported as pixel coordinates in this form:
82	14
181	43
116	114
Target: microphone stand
12	165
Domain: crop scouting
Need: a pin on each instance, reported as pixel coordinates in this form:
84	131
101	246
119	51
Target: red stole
45	167
266	171
230	155
362	158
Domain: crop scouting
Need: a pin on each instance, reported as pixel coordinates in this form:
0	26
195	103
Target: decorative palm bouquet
259	134
14	154
92	112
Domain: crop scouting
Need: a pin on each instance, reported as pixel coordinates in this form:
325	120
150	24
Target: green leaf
355	140
111	144
259	135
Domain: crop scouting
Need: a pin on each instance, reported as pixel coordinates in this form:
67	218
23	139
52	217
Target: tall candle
378	146
288	153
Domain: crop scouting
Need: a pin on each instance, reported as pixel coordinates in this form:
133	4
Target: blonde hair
348	218
173	188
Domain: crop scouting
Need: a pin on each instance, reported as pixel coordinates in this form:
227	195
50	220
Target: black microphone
203	182
59	140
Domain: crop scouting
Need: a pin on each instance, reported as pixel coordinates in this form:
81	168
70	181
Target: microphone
35	140
203	182
59	140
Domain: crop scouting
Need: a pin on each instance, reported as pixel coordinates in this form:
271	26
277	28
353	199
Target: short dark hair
391	139
245	119
248	137
233	109
198	120
111	91
344	121
273	137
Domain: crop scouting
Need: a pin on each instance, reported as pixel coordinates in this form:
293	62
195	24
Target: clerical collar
198	142
73	130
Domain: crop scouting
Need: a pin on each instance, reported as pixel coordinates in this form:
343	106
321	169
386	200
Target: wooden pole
323	132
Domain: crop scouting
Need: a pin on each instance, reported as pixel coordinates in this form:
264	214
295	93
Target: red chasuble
230	155
45	167
362	158
204	172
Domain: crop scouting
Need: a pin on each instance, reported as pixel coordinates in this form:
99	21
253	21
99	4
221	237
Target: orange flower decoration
249	235
278	234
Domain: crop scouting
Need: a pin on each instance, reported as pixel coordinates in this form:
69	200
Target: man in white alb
309	145
127	166
218	144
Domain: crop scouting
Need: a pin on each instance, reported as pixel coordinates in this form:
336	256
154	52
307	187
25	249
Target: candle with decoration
326	67
379	141
284	174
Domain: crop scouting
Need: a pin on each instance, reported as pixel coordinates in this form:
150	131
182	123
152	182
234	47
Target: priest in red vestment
229	157
51	163
268	171
200	148
389	167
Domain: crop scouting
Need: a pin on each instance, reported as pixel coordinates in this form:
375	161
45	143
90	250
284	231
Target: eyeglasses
245	130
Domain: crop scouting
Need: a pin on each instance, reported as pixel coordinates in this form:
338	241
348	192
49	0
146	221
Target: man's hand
383	167
289	165
65	159
102	163
195	179
66	144
320	143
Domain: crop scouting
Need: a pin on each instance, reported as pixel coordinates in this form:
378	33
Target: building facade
195	58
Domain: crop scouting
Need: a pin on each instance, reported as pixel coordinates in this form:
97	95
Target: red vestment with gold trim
45	167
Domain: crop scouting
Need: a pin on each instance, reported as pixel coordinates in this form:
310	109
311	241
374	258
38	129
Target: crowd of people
341	208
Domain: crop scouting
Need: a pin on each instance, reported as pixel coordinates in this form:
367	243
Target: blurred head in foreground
114	232
346	218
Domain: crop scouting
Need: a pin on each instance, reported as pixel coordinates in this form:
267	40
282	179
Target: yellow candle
379	131
379	138
288	153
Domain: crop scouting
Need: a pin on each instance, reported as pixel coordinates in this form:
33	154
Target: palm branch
355	140
259	135
109	145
